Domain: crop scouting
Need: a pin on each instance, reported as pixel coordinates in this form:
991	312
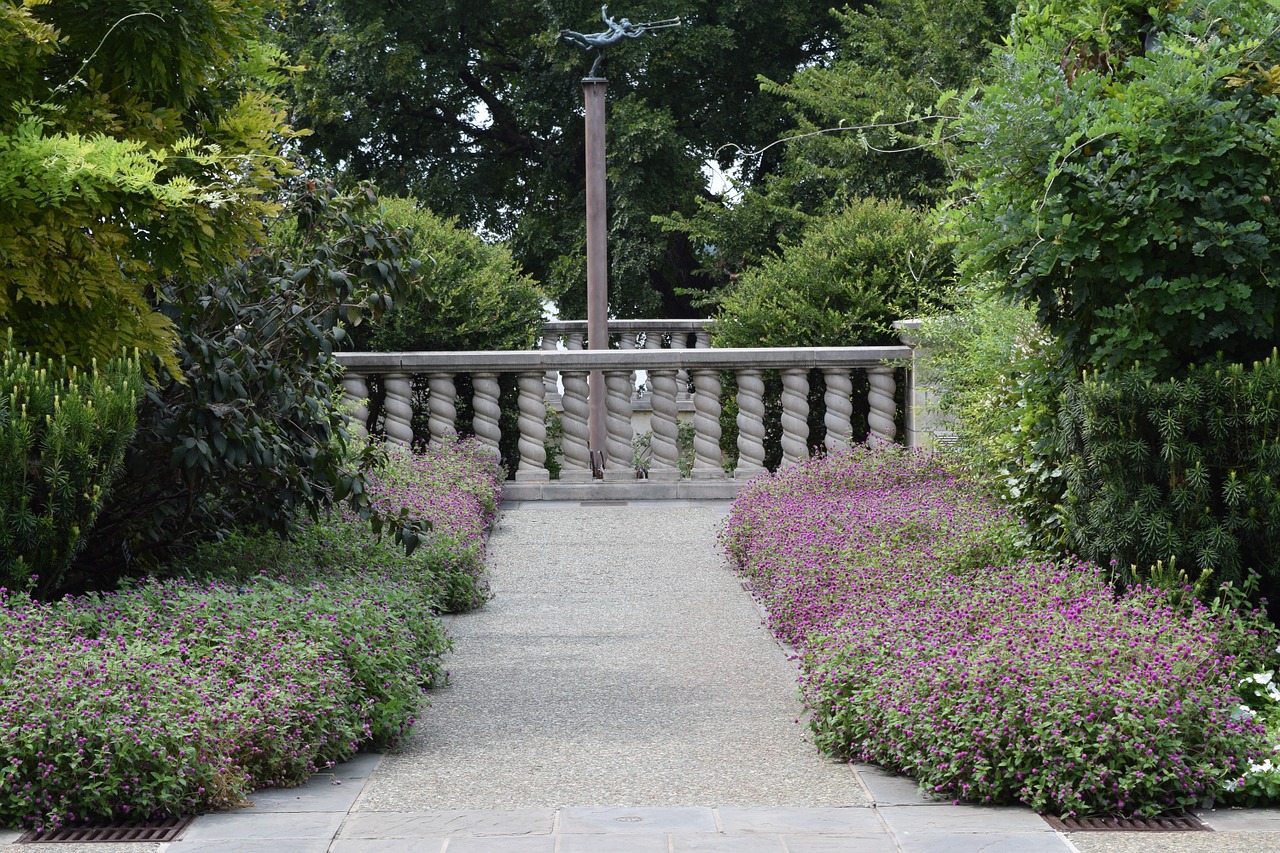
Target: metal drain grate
164	829
1181	823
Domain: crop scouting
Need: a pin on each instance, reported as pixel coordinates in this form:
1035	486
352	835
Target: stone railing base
635	490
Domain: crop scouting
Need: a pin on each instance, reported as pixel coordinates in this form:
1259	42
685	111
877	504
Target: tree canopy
475	109
138	143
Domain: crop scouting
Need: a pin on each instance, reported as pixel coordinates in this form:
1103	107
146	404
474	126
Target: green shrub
254	434
843	284
999	375
452	487
63	434
1185	469
1122	172
471	295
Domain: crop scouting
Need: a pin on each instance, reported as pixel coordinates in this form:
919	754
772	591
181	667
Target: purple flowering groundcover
930	645
185	695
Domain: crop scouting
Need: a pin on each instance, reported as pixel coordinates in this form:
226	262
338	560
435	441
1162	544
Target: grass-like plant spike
928	646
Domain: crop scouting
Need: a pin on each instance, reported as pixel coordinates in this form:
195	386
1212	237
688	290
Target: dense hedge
1185	470
929	647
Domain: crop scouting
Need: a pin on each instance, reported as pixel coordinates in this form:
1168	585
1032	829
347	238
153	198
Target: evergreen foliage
63	434
843	284
1184	470
475	108
470	295
861	123
999	376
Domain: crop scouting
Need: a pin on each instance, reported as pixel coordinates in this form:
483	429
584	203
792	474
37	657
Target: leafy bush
1186	469
842	284
928	646
1123	166
63	434
471	295
135	148
999	376
175	697
254	434
452	487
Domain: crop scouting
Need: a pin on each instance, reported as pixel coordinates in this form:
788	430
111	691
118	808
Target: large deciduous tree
861	123
475	108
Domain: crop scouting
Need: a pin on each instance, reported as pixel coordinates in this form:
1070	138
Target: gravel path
620	664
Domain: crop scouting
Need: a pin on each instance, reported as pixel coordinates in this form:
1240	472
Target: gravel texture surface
610	673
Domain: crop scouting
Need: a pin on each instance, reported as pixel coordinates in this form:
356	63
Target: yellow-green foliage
135	147
63	433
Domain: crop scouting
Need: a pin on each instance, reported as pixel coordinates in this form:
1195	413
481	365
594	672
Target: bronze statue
616	32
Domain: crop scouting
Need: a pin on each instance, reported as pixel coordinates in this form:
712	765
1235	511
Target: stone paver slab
915	820
503	844
388	845
321	794
448	822
262	827
1242	820
247	845
845	843
888	789
631	842
708	843
799	820
611	820
984	842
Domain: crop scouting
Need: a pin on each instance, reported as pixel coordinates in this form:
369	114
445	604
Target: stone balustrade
632	334
704	366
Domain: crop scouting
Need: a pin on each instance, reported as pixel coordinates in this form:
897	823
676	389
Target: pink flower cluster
930	645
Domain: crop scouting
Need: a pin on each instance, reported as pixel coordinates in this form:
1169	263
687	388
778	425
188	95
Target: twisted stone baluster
355	395
881	404
621	465
442	408
795	415
629	340
706	424
397	409
533	429
574	341
680	340
839	408
487	411
702	340
577	458
750	423
551	379
666	429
